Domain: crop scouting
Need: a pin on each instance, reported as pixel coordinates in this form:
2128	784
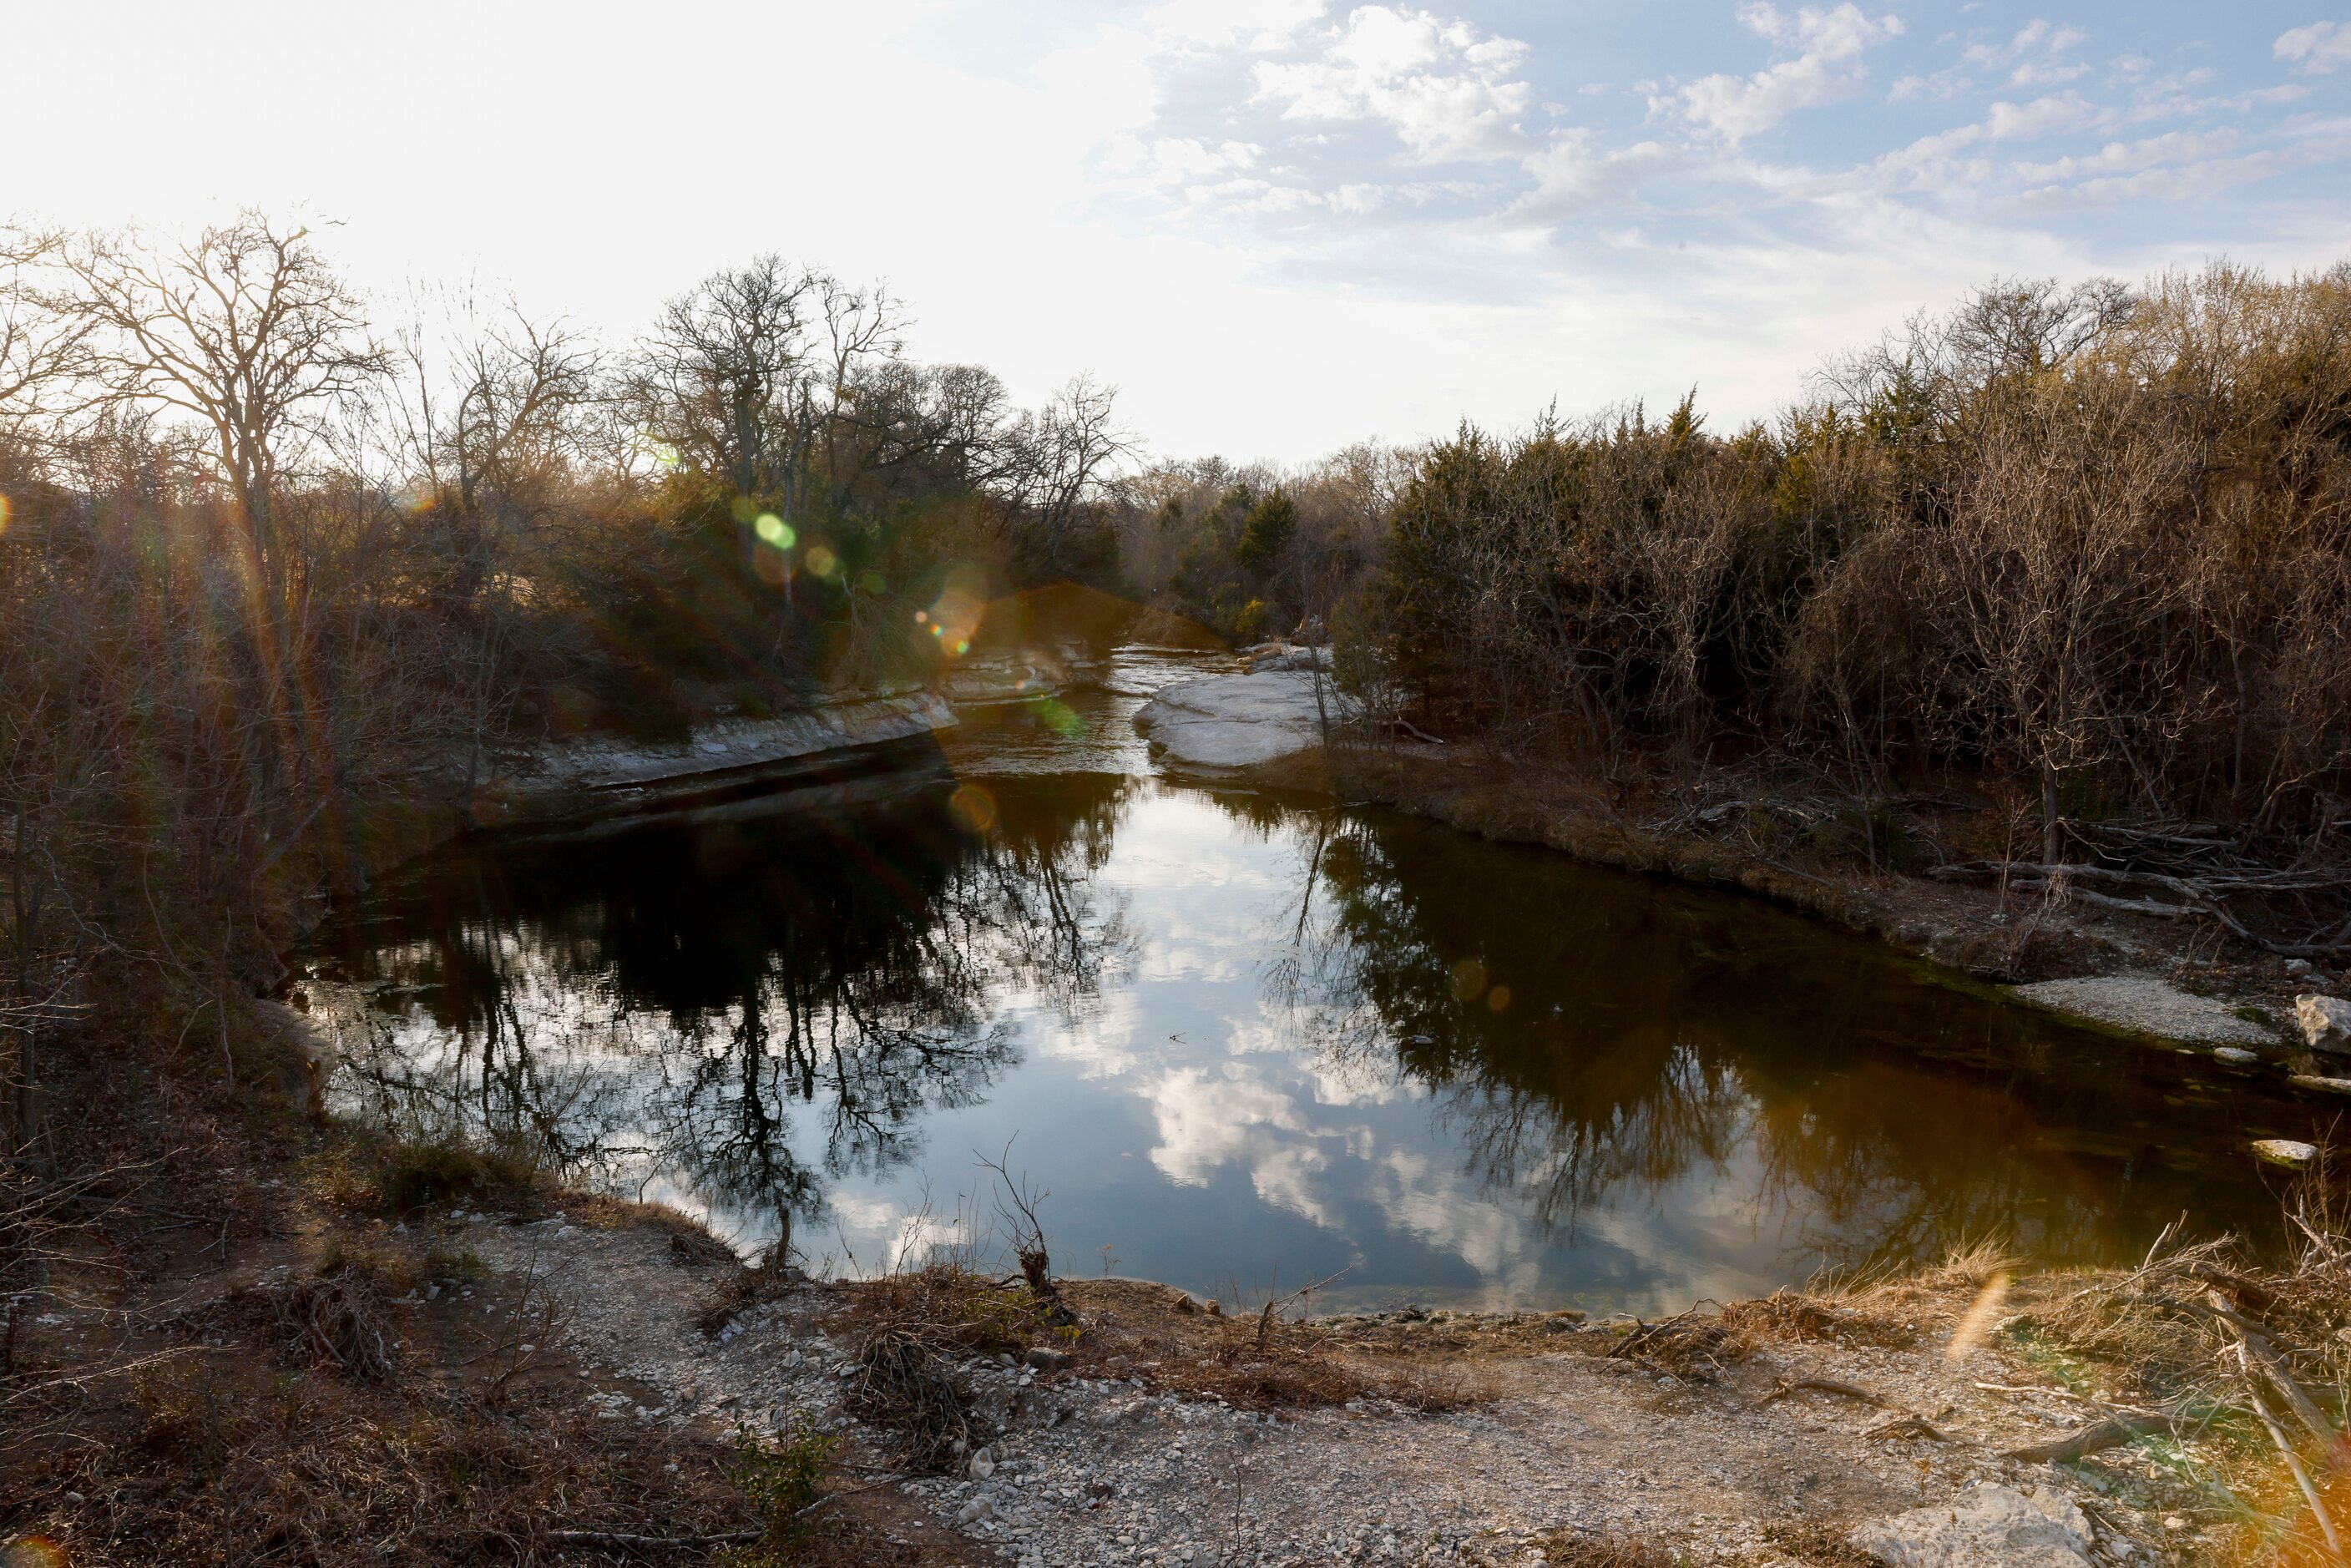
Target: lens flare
774	530
4	514
1056	716
1976	1322
871	583
955	613
974	807
1498	998
34	1552
1469	980
821	560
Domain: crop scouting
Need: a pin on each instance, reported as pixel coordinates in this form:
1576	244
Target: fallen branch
2111	1433
1783	1388
2300	1473
1905	1426
612	1538
2198	895
617	1539
2255	1347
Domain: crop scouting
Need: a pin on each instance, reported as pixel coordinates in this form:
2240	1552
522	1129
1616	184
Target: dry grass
1694	1346
2247	1356
221	1457
1820	1544
376	1174
1799	1315
912	1330
1255	1362
1564	1551
336	1321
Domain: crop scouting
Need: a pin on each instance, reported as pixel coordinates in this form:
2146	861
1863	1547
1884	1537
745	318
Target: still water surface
1248	1043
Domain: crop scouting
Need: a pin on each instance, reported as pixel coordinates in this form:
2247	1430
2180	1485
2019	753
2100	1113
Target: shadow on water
1484	1072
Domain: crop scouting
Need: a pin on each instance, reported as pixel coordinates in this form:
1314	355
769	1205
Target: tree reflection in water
662	1002
1571	1079
1593	1040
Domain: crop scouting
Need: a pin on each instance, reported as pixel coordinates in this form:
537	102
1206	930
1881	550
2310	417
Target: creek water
1241	1043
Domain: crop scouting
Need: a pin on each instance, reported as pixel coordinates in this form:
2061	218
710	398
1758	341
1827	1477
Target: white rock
1239	721
2236	1055
1985	1527
2324	1085
983	1464
2290	1152
2325	1022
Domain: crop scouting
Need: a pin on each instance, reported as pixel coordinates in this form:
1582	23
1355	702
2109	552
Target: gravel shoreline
1559	1441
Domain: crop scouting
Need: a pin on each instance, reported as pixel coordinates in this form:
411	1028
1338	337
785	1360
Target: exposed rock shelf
606	775
2149	1003
1235	722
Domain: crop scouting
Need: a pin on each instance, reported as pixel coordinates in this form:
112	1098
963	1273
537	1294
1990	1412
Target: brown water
1239	1040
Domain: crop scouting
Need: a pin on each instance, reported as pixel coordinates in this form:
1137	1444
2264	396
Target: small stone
975	1510
2235	1055
2174	1522
1044	1358
983	1464
2292	1152
2325	1022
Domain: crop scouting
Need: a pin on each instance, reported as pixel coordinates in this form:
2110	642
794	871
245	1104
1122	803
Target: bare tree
719	376
1066	453
41	349
246	328
499	413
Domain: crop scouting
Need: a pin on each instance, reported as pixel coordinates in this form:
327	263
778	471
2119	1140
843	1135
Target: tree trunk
2052	837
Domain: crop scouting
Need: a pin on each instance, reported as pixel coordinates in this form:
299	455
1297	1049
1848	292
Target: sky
1277	226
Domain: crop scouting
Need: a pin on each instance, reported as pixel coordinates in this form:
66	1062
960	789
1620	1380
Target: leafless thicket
2092	544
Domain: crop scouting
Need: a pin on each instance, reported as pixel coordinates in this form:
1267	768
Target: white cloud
2320	47
2047	73
1826	68
1177	161
2042	117
1932	159
1446	90
1205	1121
1573	173
2203	179
2128	157
1252	23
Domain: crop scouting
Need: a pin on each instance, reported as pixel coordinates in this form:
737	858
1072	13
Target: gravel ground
2149	1003
1097	1469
